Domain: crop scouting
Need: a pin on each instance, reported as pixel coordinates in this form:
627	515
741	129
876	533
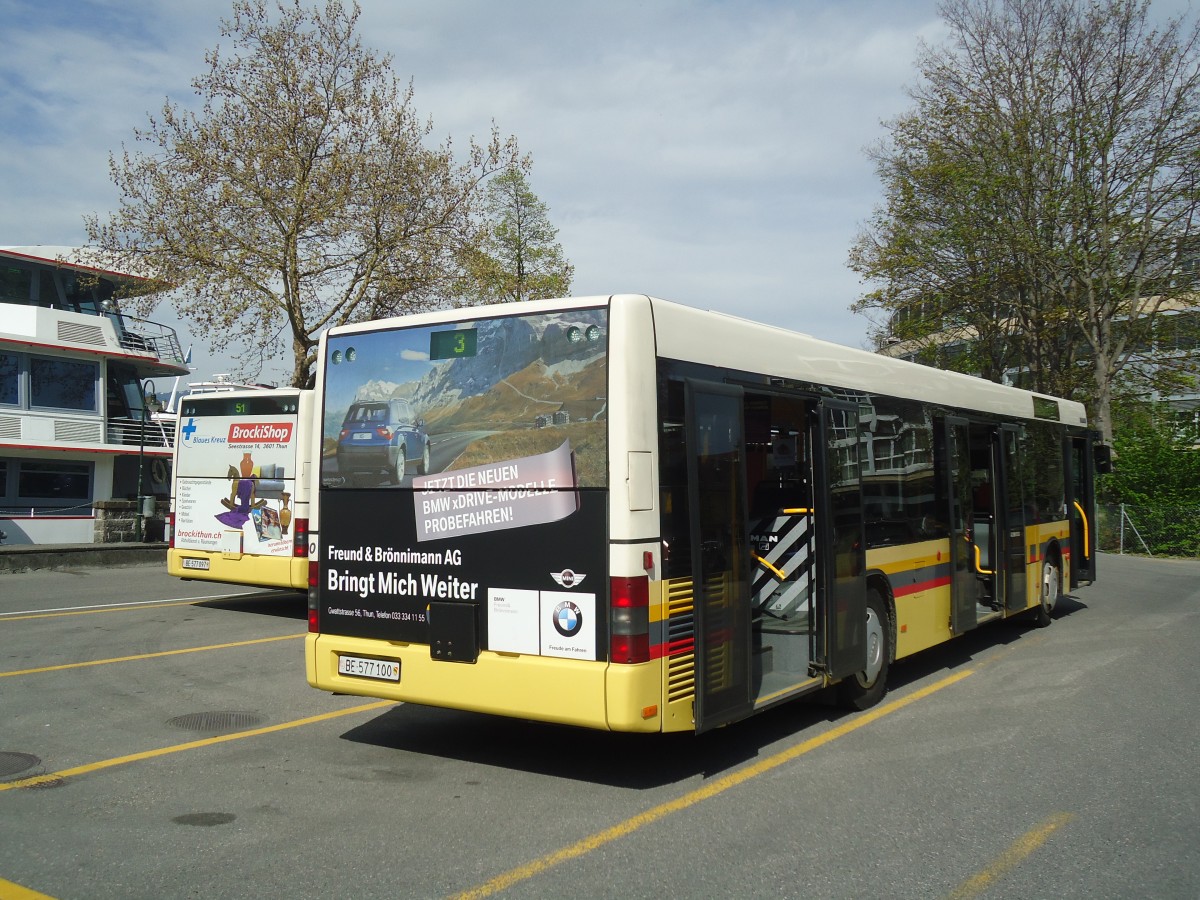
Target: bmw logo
567	619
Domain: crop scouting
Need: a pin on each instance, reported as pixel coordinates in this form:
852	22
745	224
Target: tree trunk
1103	399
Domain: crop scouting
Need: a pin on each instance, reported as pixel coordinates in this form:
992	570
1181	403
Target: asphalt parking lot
158	739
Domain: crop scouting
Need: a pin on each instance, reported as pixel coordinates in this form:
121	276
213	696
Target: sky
709	152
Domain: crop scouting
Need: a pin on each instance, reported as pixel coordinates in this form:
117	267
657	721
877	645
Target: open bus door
953	447
720	561
1082	508
841	599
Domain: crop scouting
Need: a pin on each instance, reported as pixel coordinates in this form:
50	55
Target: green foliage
1157	463
1040	197
303	192
1155	483
518	257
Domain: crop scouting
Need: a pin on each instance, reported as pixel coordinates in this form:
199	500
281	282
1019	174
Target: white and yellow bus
240	488
628	514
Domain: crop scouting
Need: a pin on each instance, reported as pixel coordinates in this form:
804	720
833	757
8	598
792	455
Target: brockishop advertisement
234	484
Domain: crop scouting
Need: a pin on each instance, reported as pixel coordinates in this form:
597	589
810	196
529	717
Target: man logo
567	619
568	579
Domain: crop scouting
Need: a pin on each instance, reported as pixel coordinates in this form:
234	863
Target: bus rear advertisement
405	551
239	499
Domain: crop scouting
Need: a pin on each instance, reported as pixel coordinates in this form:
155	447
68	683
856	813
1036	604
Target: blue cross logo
188	430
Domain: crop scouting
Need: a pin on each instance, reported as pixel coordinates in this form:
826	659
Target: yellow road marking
1010	858
117	659
36	780
629	826
10	891
126	607
92	612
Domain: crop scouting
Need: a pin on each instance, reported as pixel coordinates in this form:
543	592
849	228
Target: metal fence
1149	530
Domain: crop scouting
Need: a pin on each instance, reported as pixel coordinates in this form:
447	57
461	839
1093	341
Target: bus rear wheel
1050	592
866	688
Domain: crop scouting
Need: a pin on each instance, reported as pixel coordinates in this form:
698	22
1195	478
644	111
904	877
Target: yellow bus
240	488
624	513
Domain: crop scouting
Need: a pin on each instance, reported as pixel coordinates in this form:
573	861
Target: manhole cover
227	720
13	763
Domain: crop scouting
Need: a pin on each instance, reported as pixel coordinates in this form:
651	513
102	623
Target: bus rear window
403	405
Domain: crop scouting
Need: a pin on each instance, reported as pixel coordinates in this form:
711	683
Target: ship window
62	384
41	485
16	284
10	379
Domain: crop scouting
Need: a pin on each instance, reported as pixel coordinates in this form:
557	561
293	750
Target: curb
30	557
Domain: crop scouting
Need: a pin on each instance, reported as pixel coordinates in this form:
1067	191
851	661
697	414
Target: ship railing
132	432
144	336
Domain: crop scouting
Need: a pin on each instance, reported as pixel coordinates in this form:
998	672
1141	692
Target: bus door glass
842	599
985	486
1012	518
1081	510
954	450
720	556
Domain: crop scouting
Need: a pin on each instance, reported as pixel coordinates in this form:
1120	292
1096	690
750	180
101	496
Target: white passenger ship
74	374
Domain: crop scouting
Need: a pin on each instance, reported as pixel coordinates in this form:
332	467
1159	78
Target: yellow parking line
54	777
91	612
23	615
1010	858
117	659
622	829
10	891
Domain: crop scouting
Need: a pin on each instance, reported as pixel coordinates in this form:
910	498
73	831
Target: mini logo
567	619
568	579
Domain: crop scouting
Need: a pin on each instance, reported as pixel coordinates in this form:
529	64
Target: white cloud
708	152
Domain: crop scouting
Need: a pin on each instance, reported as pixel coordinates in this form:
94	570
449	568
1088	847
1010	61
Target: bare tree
302	194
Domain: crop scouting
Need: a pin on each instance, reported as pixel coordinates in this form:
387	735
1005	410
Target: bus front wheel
866	688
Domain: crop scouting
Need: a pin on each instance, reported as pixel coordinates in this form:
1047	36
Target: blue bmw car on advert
382	437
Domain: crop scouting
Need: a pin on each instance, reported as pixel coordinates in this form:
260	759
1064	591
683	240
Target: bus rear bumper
546	689
249	569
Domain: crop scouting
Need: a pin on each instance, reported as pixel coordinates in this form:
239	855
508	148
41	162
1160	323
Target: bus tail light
630	599
300	538
314	575
171	530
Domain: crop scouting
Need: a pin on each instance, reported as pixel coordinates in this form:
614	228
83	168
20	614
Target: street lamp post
147	387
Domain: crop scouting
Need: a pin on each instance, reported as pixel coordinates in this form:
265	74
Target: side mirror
1102	456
